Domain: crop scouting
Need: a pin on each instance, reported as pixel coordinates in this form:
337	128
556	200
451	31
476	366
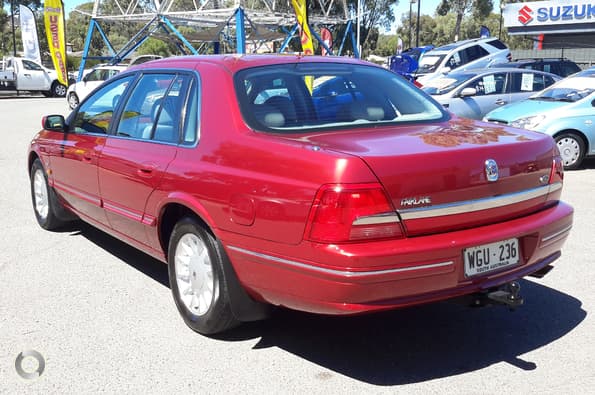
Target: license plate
489	257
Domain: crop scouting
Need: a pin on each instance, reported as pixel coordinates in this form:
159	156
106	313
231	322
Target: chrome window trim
470	206
343	273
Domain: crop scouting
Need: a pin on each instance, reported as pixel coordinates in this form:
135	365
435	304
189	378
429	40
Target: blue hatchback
565	111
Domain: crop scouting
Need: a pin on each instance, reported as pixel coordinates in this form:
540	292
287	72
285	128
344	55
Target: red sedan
327	185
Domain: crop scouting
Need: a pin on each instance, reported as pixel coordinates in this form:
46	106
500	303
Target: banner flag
301	10
327	37
29	34
53	13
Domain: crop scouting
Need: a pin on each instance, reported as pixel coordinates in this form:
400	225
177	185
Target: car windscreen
429	63
568	90
442	85
301	97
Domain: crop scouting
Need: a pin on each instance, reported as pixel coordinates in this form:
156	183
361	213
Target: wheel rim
60	90
40	194
73	100
194	274
570	150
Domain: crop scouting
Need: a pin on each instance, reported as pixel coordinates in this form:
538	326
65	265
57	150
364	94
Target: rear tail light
355	212
557	172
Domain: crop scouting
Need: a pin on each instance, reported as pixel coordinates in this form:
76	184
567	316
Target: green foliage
153	46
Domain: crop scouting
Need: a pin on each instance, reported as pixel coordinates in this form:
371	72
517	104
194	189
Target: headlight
528	122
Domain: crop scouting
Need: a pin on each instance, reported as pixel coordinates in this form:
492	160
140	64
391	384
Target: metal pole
14	40
359	11
410	23
417	27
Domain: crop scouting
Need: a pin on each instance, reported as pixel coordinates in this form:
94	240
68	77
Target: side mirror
446	70
54	122
468	92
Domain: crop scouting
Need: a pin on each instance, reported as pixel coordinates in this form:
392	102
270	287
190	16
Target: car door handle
88	156
146	169
500	102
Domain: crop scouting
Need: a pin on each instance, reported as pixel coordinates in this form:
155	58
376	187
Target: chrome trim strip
556	234
344	273
468	206
377	219
112	208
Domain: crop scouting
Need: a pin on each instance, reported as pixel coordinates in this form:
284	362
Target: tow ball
508	294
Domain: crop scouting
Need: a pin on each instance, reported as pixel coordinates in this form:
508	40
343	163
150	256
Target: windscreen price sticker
489	257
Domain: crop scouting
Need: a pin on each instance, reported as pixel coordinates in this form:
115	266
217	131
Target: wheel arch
243	307
576	132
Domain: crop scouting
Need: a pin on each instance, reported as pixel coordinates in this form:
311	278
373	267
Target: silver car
474	93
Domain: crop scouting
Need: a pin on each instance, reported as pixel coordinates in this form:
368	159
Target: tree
480	8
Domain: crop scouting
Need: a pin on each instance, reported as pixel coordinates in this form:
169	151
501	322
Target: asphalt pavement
101	317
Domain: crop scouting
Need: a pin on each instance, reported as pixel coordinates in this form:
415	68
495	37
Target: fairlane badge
416	201
491	170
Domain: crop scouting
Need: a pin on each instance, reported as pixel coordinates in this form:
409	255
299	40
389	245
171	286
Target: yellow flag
53	13
300	8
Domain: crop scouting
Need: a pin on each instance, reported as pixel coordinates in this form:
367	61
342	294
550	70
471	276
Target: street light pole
417	27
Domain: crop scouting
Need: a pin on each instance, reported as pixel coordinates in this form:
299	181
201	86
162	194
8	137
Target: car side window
28	65
141	109
94	115
490	84
474	52
191	124
528	82
154	109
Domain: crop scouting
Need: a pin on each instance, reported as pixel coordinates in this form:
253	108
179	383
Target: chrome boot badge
491	170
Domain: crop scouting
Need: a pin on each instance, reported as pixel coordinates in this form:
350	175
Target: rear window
296	98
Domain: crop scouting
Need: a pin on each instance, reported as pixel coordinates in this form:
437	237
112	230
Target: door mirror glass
54	122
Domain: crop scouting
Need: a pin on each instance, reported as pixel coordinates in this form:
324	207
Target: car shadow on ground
403	346
588	163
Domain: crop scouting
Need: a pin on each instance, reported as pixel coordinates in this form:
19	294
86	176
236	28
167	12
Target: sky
427	7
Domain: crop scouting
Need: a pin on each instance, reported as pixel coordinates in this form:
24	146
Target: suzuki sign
548	13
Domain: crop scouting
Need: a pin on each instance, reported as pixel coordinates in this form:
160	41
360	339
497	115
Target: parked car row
466	80
565	111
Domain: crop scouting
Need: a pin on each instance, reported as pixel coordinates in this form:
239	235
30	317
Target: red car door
134	160
74	160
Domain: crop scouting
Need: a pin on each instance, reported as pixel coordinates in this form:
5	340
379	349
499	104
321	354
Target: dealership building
553	24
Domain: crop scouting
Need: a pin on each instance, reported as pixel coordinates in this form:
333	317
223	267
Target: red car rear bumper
356	278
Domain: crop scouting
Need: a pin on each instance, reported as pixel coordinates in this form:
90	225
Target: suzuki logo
491	170
525	15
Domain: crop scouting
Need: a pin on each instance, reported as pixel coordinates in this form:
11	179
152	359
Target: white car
462	55
78	91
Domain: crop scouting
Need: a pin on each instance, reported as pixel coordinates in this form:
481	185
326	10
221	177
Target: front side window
94	115
314	96
28	65
490	84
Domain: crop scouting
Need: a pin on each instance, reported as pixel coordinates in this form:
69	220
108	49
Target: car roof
500	70
238	62
458	44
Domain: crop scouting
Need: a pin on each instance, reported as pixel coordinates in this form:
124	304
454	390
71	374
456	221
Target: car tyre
197	278
58	90
73	100
572	150
46	204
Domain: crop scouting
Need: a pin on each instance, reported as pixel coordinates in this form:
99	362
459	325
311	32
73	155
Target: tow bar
508	295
